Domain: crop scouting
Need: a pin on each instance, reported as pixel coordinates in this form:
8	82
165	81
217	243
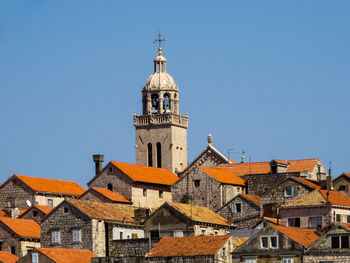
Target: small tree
185	199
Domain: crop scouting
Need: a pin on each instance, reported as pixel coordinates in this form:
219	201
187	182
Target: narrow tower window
159	155
166	102
149	149
155	102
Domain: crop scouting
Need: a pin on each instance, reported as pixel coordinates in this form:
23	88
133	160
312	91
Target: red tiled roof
105	211
7	257
51	185
146	174
223	176
200	213
43	208
64	255
22	227
318	197
347	226
252	198
2	213
294	166
280	161
303	236
307	182
272	220
188	246
113	196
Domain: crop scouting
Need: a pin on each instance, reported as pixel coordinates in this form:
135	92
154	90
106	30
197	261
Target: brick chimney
98	159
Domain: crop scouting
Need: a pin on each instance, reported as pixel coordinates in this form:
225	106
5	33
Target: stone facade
342	184
257	184
131	247
34	214
248	215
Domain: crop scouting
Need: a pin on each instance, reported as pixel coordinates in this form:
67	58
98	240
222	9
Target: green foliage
185	199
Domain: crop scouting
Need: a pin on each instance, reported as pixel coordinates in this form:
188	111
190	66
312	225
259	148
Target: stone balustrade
161	119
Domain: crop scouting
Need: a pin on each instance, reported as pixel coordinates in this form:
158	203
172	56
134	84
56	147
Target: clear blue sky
270	77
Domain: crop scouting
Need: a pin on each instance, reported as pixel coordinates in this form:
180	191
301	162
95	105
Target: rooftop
7	257
26	228
64	255
303	236
223	176
43	208
113	196
252	198
188	246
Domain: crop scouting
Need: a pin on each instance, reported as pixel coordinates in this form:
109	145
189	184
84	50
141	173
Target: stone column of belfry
167	134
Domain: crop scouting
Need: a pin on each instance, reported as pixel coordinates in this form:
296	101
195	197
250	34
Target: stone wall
131	247
258	183
29	214
331	258
65	222
152	198
206	194
304	214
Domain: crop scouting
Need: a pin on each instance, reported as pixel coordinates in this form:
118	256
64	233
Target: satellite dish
28	203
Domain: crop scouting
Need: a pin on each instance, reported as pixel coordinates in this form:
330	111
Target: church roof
223	176
146	174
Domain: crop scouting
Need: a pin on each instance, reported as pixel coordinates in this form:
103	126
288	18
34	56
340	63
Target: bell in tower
161	133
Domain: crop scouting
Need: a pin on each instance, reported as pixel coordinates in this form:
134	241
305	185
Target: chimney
98	159
329	180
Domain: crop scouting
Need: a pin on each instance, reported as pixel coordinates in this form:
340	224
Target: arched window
145	105
155	102
110	187
149	150
166	102
159	155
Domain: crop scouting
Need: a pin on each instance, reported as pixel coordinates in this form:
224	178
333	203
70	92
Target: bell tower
161	132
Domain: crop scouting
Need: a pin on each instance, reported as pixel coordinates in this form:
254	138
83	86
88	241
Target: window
55	237
315	221
335	242
250	260
344	241
166	102
76	235
11	203
159	154
178	233
149	151
65	210
238	208
35	213
203	231
144	192
269	242
216	233
121	235
338	218
287	260
13	250
348	219
288	191
155	102
197	183
224	252
154	234
294	222
35	258
340	242
110	187
160	194
49	202
342	188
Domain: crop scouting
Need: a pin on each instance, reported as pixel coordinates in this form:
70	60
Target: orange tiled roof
347	226
64	255
105	211
2	213
346	174
252	198
113	196
307	182
223	176
22	227
319	197
200	214
7	257
237	241
188	246
51	185
303	236
294	166
43	208
146	174
273	220
280	161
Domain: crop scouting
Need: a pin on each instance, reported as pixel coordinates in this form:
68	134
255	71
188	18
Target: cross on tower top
160	39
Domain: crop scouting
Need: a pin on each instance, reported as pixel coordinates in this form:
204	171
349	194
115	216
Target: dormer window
288	191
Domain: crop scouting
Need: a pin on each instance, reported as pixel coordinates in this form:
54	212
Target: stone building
18	236
331	247
260	176
209	187
98	194
35	212
6	257
144	186
342	183
243	211
18	190
206	249
286	191
277	244
318	208
58	255
161	132
82	224
179	220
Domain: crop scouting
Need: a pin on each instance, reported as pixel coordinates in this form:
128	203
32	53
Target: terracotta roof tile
146	174
51	185
252	198
223	176
113	196
7	257
294	166
105	211
318	197
237	241
43	208
2	213
281	161
188	246
200	214
307	182
64	255
273	220
22	227
303	236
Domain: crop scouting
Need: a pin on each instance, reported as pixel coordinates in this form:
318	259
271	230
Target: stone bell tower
161	132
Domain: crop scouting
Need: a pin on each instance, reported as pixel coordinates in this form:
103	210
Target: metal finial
160	39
